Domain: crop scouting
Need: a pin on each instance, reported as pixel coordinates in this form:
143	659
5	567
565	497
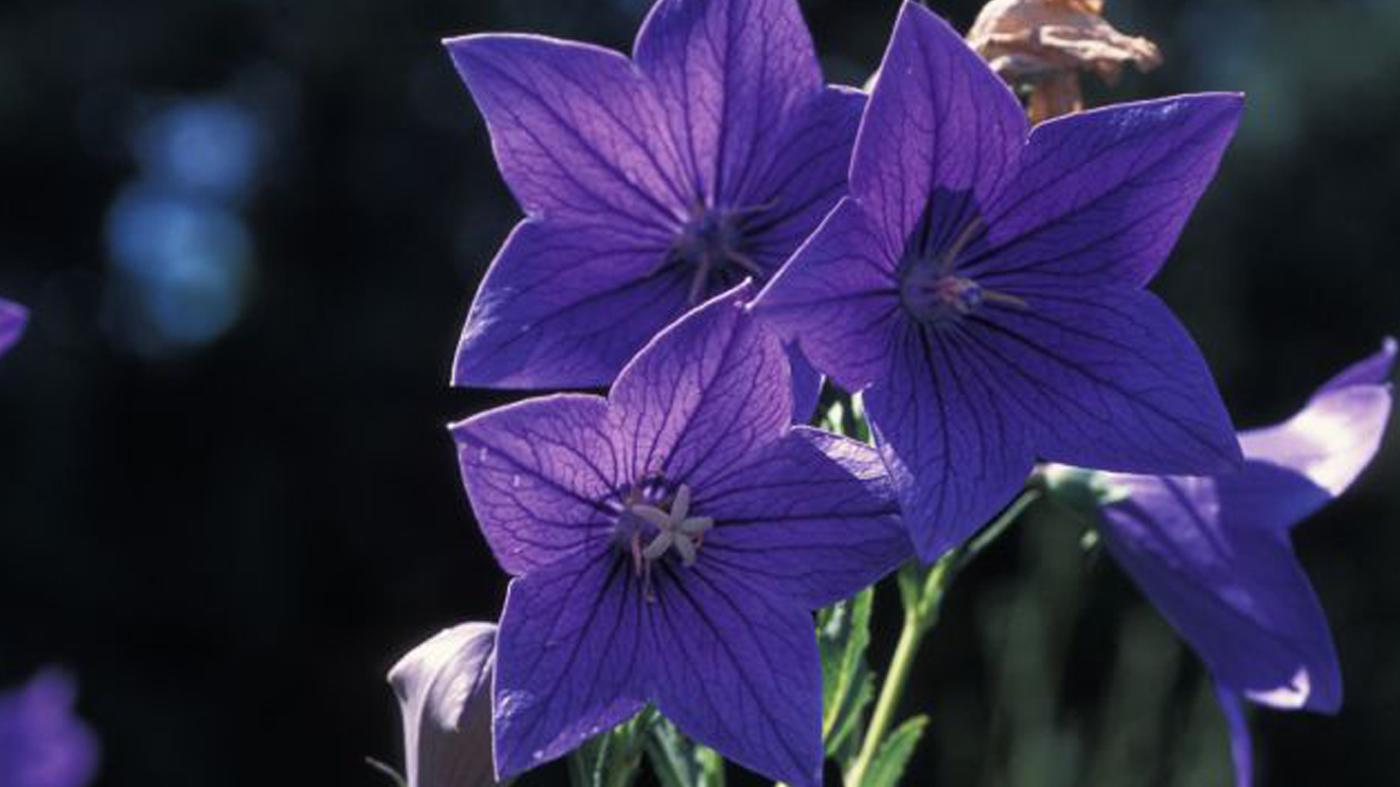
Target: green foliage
612	759
678	761
893	755
843	635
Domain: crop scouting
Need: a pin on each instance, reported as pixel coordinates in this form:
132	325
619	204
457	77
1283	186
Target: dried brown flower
1041	45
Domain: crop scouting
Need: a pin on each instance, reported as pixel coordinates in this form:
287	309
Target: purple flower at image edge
1213	554
983	285
42	743
13	318
649	184
667	545
444	692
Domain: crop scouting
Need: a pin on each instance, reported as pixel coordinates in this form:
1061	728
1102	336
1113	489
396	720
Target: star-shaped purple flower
650	184
42	744
12	321
983	283
1214	555
667	545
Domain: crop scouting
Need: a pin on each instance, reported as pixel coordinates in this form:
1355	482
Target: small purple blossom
13	318
444	692
983	284
667	545
1214	554
649	184
42	744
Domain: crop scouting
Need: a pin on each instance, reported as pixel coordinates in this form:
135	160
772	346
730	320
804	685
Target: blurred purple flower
985	284
650	184
667	545
42	744
444	691
13	318
1214	555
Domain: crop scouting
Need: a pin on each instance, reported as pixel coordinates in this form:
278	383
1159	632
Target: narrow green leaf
893	755
843	635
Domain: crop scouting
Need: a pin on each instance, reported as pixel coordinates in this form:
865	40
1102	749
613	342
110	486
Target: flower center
933	292
653	524
711	243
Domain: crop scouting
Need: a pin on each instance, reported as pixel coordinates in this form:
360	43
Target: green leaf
894	753
843	635
678	761
612	759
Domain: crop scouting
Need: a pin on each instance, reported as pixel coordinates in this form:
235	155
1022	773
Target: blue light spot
207	145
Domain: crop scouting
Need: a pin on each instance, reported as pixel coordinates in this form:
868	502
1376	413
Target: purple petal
568	306
806	179
813	518
1101	196
537	474
576	133
1108	379
839	300
444	692
1372	370
571	660
711	388
727	73
1233	589
42	744
956	447
806	384
1241	745
940	126
1297	466
738	671
1321	451
12	321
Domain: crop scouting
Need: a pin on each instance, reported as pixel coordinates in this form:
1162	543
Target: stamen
675	530
949	260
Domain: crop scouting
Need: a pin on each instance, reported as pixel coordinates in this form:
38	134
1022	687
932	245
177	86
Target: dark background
250	229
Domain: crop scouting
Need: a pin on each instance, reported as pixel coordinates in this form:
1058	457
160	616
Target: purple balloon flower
12	321
650	184
42	744
1214	555
444	691
667	544
984	284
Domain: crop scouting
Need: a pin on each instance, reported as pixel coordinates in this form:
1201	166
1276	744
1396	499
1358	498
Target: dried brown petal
1041	45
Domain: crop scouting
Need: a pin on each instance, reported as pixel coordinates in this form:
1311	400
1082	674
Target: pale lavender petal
727	73
1323	449
567	306
444	692
1101	196
839	300
42	743
737	670
571	659
806	178
1373	370
955	444
1108	379
1241	744
12	321
576	133
1233	589
813	518
711	388
538	474
941	131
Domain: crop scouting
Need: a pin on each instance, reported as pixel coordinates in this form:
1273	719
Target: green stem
909	639
922	604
